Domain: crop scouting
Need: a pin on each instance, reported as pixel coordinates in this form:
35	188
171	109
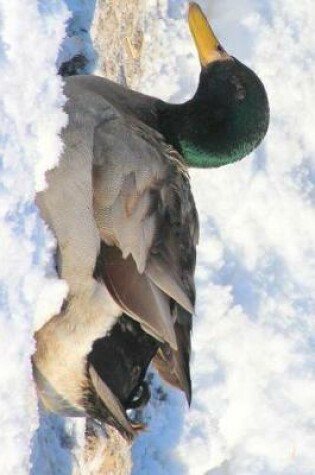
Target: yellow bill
208	46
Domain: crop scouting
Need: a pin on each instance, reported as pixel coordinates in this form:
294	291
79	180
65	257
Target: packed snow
31	116
253	342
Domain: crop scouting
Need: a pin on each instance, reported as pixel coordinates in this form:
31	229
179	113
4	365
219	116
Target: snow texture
253	341
31	117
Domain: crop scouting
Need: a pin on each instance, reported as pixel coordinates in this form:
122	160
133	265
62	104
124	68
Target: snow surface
30	117
253	342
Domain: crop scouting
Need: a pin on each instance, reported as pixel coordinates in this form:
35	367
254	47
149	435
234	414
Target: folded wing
149	228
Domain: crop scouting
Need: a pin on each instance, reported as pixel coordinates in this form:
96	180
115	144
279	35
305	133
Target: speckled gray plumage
120	183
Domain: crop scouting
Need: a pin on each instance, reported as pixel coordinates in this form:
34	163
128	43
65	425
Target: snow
31	117
253	343
253	369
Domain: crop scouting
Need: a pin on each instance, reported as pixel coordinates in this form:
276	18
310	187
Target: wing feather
173	365
137	295
112	404
163	275
149	227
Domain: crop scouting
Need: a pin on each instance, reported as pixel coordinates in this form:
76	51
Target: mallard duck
121	208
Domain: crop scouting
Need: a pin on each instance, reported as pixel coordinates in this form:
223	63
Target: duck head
229	114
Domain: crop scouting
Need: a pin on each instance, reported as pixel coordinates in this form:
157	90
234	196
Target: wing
148	224
173	365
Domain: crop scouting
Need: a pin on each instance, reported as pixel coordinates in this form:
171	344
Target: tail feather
173	365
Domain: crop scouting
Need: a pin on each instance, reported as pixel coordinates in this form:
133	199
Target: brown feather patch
140	298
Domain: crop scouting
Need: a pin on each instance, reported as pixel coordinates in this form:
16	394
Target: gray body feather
119	183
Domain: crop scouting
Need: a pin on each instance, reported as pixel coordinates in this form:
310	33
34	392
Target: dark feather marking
122	358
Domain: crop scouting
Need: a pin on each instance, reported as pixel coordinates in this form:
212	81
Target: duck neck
197	129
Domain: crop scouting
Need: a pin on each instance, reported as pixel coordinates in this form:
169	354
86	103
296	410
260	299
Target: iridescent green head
228	116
